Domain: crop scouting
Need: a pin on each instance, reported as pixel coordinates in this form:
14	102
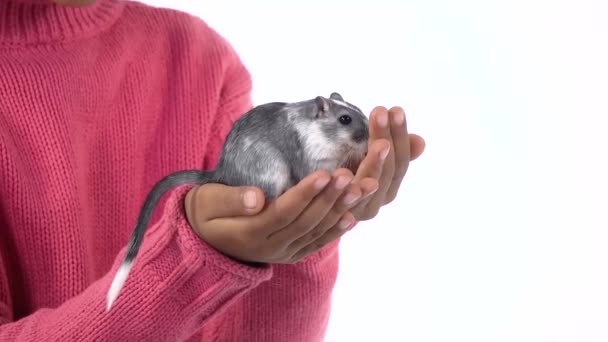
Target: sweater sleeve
177	283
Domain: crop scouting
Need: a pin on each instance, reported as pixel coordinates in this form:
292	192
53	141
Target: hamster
273	146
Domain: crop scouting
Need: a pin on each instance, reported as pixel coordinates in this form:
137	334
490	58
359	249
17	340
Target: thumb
210	201
417	145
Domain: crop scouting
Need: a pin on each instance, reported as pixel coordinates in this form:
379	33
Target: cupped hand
390	151
238	221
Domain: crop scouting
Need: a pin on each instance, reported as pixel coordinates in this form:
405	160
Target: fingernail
250	200
322	182
350	198
345	224
371	192
383	119
342	182
384	153
399	118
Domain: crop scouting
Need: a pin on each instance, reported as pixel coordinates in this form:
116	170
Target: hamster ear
322	106
336	96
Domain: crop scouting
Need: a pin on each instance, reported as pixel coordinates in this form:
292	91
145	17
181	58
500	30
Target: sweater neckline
31	22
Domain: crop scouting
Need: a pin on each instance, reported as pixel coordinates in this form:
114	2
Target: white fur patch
316	144
321	149
119	281
344	104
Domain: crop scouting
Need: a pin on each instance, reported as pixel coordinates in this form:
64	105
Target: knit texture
97	104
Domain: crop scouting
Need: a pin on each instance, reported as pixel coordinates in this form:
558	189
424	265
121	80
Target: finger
346	201
383	130
210	201
366	187
317	209
284	209
379	134
382	168
290	205
342	227
372	167
379	124
401	145
417	146
351	198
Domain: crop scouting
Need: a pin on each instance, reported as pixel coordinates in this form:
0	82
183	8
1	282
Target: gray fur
273	146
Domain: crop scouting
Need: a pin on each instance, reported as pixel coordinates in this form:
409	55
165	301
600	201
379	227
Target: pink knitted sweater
96	105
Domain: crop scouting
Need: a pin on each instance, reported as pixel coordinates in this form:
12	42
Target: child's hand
308	216
390	151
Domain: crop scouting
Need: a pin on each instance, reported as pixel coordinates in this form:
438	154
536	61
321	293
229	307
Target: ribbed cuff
175	245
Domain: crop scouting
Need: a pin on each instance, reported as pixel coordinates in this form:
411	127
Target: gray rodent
273	146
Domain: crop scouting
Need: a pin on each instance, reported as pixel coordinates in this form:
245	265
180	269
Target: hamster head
334	133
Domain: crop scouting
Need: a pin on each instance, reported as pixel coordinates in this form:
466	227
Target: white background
501	230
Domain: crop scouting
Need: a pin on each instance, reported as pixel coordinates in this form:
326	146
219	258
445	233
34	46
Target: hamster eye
345	119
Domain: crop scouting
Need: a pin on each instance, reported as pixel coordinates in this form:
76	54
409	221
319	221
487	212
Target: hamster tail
164	185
